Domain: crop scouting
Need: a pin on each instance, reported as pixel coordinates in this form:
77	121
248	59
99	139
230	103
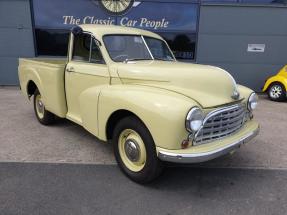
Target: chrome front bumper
201	157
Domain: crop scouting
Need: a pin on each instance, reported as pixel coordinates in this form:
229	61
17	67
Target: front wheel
277	92
44	117
135	150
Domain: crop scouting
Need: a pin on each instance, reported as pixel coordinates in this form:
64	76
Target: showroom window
182	44
176	22
55	43
51	42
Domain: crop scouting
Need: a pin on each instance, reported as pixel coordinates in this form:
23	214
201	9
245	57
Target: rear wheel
44	117
277	92
135	150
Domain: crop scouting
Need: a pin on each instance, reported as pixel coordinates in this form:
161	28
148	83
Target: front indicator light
184	144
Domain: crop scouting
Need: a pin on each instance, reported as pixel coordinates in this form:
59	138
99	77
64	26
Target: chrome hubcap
40	106
132	150
276	91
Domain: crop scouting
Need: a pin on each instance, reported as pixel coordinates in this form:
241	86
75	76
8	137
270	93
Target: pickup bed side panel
163	112
49	79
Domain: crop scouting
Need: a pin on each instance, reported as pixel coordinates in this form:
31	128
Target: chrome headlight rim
194	114
252	102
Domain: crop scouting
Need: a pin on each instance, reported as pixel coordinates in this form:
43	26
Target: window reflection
55	43
52	42
182	44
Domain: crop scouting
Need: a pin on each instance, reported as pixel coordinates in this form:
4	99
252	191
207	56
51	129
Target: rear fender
32	75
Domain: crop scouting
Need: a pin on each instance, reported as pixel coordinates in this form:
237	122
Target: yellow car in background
276	85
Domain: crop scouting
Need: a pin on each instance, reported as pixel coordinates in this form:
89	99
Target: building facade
248	38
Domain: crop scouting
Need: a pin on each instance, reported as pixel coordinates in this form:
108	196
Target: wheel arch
275	82
31	88
274	79
31	82
114	118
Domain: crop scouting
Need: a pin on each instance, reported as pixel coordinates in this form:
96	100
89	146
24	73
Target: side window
81	48
96	55
86	49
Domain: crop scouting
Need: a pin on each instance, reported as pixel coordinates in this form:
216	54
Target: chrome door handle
71	69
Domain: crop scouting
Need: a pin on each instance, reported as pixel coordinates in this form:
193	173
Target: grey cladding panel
233	48
8	71
16	38
16	42
226	31
243	20
15	13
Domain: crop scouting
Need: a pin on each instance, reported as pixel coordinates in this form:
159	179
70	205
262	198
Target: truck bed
49	76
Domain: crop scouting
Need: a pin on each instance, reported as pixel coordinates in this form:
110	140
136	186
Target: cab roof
100	30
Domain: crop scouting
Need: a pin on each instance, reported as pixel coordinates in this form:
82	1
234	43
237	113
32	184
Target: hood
208	85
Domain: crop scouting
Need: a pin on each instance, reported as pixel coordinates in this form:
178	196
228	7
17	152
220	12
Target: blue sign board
161	16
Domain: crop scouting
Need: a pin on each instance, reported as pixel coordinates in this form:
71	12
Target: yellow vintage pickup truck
125	86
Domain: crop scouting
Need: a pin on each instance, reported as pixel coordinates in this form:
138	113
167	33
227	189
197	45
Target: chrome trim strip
219	110
201	157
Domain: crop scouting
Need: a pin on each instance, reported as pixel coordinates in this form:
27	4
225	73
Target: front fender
163	112
89	102
245	92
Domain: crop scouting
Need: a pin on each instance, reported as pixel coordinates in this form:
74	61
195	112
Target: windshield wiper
138	59
134	59
164	59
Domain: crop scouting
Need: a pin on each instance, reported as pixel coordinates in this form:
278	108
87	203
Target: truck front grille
221	123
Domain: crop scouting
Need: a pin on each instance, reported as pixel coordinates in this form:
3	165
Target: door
86	68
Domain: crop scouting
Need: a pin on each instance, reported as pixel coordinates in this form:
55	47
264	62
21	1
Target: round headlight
194	119
252	101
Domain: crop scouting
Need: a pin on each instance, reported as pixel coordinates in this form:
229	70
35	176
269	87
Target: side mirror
98	43
77	30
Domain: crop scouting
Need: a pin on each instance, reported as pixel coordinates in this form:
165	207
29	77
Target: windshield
135	47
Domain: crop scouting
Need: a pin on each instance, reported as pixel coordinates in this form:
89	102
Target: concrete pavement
68	189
